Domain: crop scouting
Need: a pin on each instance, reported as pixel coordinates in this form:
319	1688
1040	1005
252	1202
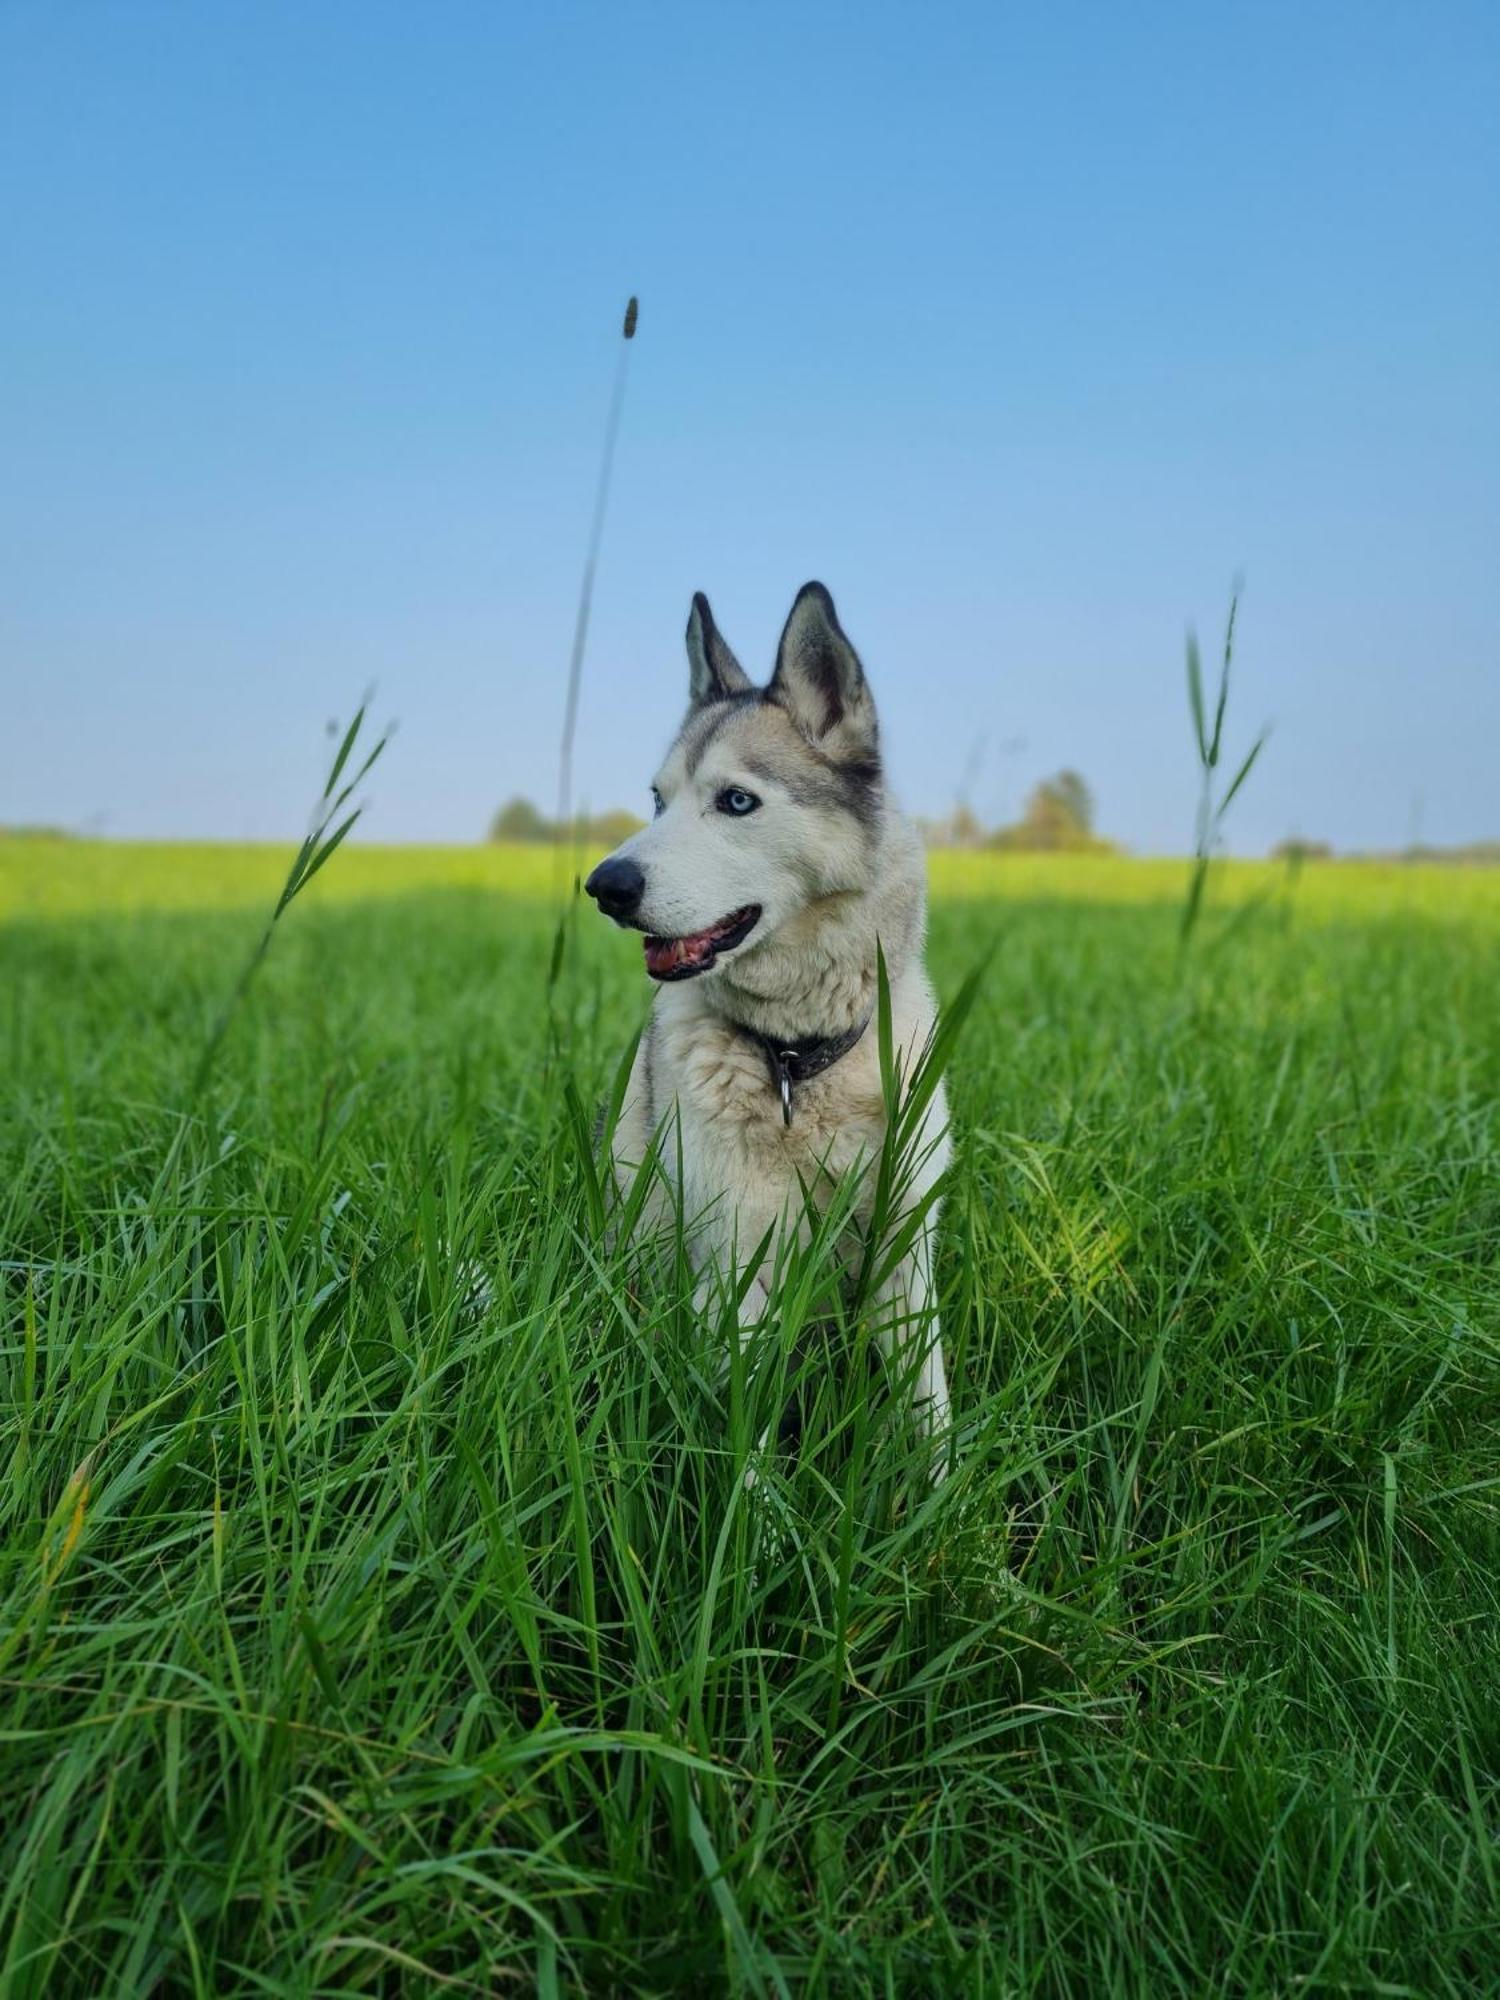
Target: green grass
359	1629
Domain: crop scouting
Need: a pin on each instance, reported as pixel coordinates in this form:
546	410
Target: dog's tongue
665	955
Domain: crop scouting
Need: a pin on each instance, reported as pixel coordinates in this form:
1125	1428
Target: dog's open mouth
686	957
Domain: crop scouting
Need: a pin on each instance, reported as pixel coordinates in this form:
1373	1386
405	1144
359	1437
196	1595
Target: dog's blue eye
733	800
659	804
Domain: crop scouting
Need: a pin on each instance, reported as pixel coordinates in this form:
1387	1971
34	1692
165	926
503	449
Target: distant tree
1300	850
1073	797
608	829
519	819
1059	818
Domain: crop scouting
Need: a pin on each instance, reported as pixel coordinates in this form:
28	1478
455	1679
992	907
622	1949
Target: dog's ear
713	671
819	679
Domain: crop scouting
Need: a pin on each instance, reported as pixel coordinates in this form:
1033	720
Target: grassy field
381	1603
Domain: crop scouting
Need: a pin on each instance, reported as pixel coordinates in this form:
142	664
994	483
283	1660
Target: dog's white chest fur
742	1164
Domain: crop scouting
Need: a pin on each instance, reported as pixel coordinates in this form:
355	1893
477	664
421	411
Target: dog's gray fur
834	866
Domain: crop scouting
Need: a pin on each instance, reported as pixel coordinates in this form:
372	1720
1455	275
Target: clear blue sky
1025	328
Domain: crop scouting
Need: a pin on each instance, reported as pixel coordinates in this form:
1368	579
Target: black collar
796	1062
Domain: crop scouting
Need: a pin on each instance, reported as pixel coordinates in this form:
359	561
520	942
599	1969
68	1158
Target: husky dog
776	862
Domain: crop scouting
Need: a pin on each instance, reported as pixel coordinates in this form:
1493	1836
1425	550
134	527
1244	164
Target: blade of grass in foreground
1211	811
317	849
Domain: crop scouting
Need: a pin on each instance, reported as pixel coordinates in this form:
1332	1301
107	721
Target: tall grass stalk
1213	804
321	842
566	835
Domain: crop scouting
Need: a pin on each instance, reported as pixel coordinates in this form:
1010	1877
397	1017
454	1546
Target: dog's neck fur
816	977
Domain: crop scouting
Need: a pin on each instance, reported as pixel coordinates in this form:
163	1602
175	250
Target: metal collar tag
784	1060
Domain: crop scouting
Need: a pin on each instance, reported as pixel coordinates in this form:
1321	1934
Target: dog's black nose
617	886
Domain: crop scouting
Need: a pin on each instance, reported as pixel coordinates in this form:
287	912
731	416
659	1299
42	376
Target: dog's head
768	800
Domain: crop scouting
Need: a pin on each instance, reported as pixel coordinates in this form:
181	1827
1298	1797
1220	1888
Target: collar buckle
784	1060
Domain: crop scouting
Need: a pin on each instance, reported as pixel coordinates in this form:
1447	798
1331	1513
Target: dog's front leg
910	1337
717	1297
738	1300
711	1294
